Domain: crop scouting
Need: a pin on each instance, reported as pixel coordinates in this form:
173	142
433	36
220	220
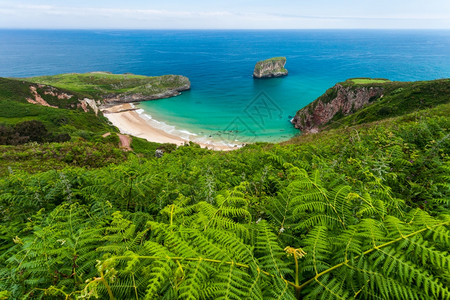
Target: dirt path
125	142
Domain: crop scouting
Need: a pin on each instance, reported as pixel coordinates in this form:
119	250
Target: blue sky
229	14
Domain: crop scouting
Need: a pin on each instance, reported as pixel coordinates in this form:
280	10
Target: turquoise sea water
225	102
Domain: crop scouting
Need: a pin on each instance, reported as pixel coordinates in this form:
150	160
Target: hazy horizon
231	14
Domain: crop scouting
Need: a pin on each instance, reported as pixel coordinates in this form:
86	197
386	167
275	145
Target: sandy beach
125	117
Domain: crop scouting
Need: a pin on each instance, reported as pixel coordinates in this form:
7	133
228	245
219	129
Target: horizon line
231	29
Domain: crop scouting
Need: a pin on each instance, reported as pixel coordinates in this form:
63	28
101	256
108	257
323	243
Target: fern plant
331	220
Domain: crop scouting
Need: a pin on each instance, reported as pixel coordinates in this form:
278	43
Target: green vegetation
368	80
359	212
19	90
274	59
36	158
58	120
29	131
282	60
400	98
97	84
68	118
55	137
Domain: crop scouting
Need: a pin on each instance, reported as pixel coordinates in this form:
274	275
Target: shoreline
129	121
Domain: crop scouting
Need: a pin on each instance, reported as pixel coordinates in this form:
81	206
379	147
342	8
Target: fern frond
269	253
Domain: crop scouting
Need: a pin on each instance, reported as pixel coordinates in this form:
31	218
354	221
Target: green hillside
399	98
15	108
355	212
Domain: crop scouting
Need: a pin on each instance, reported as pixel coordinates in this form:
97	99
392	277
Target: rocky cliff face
338	101
273	67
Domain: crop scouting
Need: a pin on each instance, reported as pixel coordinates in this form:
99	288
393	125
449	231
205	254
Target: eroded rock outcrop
272	67
57	97
86	103
38	98
338	100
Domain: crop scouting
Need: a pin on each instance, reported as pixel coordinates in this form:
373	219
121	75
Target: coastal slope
70	102
59	109
363	100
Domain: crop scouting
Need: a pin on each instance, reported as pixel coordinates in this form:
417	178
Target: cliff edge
341	100
272	67
364	100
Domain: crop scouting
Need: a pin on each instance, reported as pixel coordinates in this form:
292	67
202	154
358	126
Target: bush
34	130
21	133
61	138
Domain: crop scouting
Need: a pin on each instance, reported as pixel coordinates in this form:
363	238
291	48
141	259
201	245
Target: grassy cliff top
279	58
271	60
367	80
99	84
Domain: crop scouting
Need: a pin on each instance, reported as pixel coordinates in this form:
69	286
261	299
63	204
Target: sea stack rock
272	67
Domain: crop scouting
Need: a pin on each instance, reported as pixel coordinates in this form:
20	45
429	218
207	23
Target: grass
33	157
96	85
259	64
368	80
279	58
55	119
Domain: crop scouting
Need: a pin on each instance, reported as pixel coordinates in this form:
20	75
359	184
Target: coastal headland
114	89
364	100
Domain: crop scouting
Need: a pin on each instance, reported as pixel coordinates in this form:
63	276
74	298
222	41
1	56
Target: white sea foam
188	132
183	133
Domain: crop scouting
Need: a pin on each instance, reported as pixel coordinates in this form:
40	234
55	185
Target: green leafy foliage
29	131
353	213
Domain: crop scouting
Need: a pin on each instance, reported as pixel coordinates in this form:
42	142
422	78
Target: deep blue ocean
225	102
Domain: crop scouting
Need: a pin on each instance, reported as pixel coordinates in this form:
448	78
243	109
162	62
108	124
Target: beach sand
125	117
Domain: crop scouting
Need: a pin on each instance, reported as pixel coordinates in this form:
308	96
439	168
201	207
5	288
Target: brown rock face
339	99
86	104
37	98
